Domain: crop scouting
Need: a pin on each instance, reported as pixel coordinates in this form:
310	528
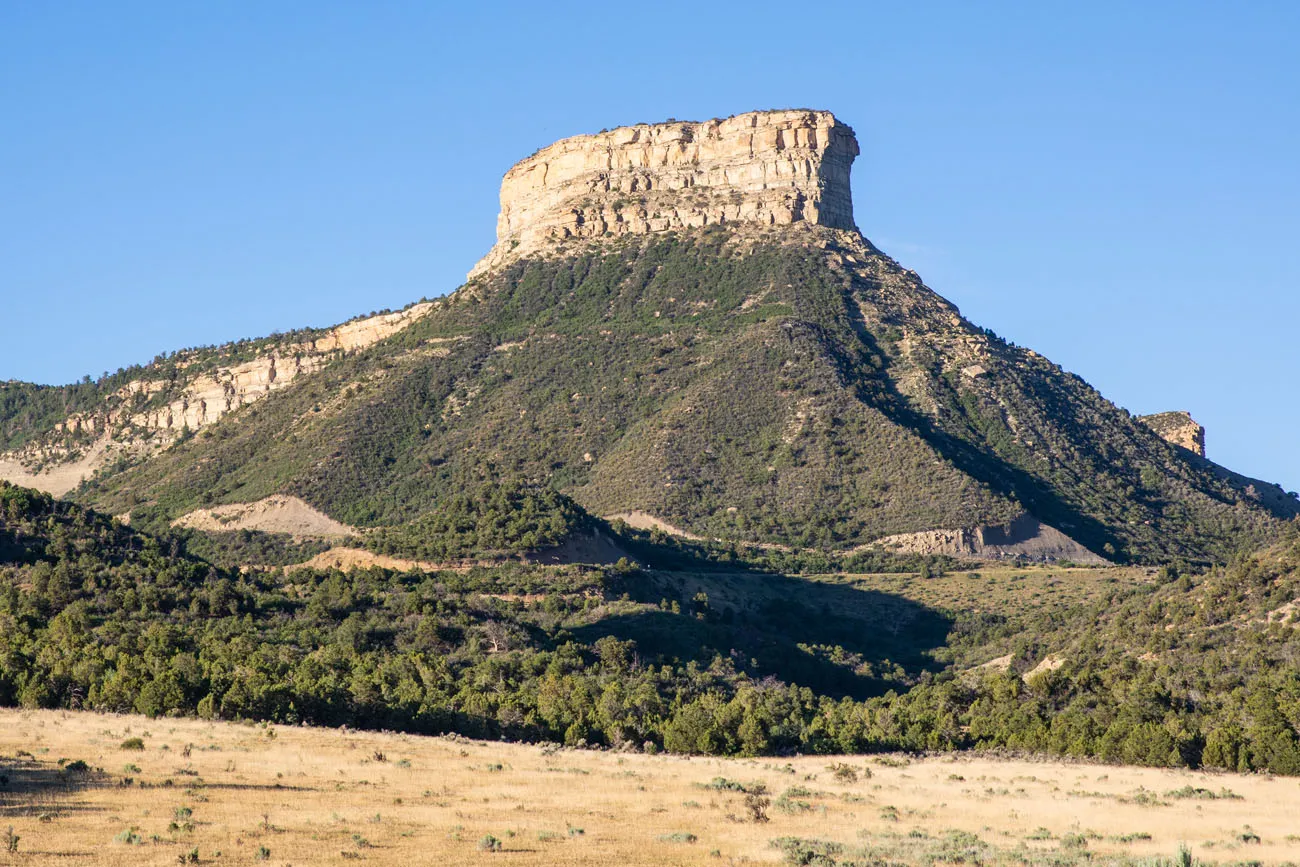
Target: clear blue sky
1112	184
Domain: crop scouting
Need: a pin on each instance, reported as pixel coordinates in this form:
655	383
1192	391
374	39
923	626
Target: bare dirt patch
275	514
595	548
59	478
1002	663
1049	663
347	559
1025	537
638	520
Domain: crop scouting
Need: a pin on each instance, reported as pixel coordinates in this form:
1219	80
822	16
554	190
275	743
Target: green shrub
1074	841
790	802
844	773
756	806
802	851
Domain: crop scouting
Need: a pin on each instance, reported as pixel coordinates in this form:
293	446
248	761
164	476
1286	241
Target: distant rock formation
1025	538
1178	428
51	466
766	167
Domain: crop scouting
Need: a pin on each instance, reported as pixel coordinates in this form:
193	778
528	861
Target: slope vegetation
794	388
694	657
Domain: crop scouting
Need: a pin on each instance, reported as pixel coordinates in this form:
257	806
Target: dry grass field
158	790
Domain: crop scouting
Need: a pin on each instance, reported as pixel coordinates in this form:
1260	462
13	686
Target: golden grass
322	796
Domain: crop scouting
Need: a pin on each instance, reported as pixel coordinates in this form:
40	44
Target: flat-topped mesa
766	167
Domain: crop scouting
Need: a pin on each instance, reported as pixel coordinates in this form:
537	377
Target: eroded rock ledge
765	167
49	465
1178	428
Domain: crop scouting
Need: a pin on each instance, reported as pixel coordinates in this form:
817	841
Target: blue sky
1112	184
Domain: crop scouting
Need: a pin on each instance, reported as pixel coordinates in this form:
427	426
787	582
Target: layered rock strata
204	398
764	167
209	396
1025	538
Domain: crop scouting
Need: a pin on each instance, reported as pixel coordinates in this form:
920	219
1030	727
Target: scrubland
88	788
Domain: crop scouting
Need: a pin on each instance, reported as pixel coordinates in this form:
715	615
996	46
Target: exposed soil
347	559
275	514
639	520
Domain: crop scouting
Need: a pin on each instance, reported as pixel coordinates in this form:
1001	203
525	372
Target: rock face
766	167
202	400
1178	428
211	395
1025	538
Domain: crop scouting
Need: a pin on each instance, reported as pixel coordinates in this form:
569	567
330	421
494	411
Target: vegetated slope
1192	671
42	533
97	615
793	387
53	556
1195	671
33	414
54	438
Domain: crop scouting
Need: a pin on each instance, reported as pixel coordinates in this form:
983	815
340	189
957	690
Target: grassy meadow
166	791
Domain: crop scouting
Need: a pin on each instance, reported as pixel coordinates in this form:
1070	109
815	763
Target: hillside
1195	670
664	329
780	394
101	616
694	656
54	437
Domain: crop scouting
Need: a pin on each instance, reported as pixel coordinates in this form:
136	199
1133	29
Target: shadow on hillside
32	788
983	464
833	638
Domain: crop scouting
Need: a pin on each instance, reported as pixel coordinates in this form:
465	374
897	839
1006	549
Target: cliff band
766	167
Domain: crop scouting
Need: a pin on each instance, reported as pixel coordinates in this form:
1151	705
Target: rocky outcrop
1025	538
202	399
210	395
360	333
765	167
1178	428
58	470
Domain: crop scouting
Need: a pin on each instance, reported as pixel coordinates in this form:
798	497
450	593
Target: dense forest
709	657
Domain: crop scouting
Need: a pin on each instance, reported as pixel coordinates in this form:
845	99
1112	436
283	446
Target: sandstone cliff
765	167
1178	428
195	402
